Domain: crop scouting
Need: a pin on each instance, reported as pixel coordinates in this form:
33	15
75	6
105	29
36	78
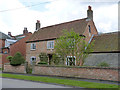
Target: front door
49	58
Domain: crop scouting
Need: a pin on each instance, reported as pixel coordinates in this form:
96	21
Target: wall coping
113	68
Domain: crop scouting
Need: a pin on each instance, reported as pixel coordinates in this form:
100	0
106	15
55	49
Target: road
14	83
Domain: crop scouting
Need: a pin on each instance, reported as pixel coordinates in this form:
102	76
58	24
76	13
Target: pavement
14	83
72	78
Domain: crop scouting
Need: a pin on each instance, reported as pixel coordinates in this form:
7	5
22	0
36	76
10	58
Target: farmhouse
43	39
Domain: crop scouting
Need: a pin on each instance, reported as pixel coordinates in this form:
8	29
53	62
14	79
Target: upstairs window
50	45
33	46
89	28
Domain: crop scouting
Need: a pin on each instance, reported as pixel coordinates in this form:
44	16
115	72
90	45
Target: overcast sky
15	14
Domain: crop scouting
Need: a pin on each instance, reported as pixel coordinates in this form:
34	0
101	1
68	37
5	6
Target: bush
29	70
43	63
18	59
103	64
43	57
9	58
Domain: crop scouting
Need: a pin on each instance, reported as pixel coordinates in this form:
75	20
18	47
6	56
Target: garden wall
79	72
14	69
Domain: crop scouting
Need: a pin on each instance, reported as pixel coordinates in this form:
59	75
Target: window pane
33	45
50	44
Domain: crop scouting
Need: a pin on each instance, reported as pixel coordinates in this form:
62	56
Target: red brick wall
79	72
93	31
19	46
4	58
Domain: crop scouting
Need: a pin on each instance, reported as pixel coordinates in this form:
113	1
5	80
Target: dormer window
33	46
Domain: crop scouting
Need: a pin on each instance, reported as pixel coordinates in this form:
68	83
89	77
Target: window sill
50	48
32	49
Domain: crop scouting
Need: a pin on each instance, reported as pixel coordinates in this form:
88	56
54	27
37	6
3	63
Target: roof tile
55	31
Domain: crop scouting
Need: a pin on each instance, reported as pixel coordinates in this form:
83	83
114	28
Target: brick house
12	44
20	45
43	39
3	49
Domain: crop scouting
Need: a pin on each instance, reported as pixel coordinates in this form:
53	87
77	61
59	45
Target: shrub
103	64
43	57
18	59
29	70
10	58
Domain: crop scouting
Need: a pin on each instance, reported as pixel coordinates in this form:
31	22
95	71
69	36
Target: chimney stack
25	31
38	25
9	33
89	13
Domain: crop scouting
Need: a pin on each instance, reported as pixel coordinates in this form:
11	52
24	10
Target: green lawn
61	81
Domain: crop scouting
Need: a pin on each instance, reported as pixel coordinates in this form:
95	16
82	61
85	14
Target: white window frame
68	61
33	48
50	44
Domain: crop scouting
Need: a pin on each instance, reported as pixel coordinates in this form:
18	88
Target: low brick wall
14	69
79	72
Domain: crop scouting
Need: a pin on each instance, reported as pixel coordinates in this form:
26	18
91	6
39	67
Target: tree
73	44
56	59
17	59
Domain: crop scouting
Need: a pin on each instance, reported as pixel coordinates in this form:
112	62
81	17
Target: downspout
90	40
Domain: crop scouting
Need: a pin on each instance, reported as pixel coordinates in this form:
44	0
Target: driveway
14	83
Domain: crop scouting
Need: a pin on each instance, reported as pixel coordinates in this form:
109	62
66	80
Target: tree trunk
81	62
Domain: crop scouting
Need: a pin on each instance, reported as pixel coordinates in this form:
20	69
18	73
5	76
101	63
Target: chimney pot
89	7
9	33
25	31
38	21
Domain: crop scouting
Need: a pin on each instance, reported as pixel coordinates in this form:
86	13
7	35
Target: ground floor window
70	61
32	59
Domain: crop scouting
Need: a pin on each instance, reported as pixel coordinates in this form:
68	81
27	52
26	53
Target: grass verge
61	81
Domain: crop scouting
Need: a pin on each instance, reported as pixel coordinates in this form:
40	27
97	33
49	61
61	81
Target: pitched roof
4	36
20	36
106	42
54	31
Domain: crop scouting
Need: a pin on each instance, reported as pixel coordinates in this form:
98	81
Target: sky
17	14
